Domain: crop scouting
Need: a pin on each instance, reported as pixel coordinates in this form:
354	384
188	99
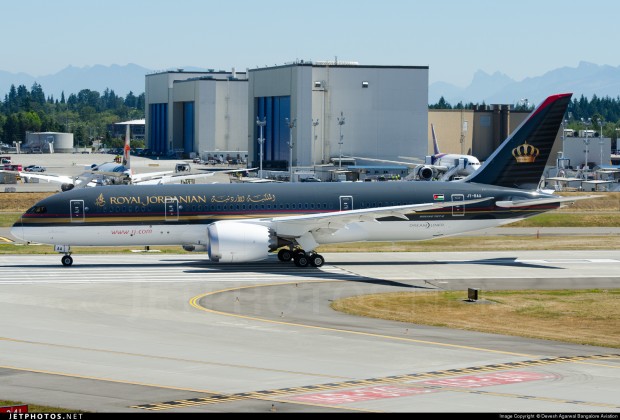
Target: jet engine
425	173
239	242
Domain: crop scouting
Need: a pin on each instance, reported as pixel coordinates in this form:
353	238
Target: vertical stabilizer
519	162
126	148
435	145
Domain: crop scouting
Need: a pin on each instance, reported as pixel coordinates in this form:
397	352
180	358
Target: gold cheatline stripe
60	220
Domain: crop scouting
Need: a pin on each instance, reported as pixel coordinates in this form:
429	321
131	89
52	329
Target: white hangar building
380	112
196	111
384	109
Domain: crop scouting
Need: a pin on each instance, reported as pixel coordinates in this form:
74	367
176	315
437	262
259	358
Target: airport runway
174	333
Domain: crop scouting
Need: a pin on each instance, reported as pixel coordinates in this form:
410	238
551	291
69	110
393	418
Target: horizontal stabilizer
540	201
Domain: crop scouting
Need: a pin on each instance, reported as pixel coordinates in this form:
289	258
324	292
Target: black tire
317	260
285	255
302	260
66	260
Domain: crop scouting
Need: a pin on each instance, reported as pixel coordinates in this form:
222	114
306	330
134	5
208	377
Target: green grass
570	220
7	219
577	316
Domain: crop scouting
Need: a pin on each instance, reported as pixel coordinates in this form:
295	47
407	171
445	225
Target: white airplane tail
435	145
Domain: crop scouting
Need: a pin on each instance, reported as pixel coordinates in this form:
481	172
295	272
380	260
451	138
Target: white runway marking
572	261
169	271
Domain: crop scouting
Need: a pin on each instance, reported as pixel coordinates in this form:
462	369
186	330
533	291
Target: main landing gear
300	258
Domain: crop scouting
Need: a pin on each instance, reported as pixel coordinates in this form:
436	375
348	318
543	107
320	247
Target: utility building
335	109
192	112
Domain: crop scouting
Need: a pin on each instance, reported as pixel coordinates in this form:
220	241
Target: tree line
87	114
582	113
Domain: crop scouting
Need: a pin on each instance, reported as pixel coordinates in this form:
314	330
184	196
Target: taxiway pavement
175	333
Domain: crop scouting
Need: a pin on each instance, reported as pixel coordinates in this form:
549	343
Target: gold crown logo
100	201
525	153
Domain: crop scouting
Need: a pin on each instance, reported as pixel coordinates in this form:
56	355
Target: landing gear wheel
317	260
298	252
66	260
285	255
301	260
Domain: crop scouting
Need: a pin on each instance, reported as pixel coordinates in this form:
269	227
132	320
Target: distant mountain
586	79
120	79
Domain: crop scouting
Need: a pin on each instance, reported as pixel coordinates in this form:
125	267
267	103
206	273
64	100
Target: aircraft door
76	210
172	209
346	202
458	210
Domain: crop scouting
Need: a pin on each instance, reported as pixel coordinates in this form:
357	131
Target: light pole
587	142
563	135
261	141
314	124
340	123
291	125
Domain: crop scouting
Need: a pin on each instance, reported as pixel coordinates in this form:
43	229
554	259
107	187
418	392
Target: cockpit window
38	210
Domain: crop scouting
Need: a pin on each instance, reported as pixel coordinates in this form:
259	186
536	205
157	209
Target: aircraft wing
394	162
438	168
60	179
295	226
228	171
172	179
546	200
138	178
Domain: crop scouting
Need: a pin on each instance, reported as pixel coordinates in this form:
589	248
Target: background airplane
438	166
121	173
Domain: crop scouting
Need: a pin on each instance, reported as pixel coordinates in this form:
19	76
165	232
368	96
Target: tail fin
520	160
435	145
127	149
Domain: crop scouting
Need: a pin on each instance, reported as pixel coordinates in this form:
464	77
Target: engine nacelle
425	173
239	242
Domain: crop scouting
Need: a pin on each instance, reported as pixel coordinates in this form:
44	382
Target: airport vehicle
439	166
244	222
34	168
14	167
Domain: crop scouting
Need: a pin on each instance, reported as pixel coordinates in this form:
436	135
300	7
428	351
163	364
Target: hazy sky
522	38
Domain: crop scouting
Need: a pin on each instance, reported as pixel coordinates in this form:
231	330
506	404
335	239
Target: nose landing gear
66	259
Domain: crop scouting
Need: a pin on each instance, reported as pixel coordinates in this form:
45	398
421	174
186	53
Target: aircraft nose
17	230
